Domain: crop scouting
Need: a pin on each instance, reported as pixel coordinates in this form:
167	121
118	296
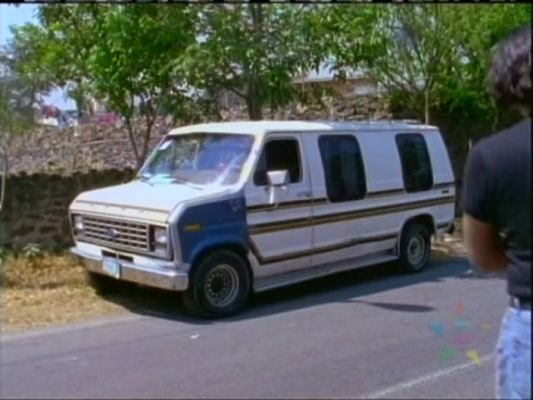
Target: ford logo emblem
111	233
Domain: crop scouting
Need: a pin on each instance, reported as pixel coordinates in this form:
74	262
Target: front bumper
160	278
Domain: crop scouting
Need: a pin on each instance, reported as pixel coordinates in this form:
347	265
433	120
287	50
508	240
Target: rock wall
65	151
36	206
70	150
50	166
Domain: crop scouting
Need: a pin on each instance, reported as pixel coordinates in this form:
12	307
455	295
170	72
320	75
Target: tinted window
343	168
279	155
416	165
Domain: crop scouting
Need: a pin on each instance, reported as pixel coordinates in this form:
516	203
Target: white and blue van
221	210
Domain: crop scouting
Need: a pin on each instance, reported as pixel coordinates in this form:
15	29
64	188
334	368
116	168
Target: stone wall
36	206
50	166
69	150
65	151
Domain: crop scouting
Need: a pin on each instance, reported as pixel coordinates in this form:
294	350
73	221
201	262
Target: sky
11	15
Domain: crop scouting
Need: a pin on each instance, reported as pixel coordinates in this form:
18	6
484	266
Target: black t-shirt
497	191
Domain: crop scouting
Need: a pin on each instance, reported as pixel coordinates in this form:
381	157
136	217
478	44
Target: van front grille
116	234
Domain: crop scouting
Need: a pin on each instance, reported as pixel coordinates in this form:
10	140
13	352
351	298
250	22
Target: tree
251	50
14	116
24	64
401	48
463	92
70	38
123	55
426	57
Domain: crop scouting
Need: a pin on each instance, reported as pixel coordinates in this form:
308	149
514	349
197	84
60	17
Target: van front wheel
219	287
415	248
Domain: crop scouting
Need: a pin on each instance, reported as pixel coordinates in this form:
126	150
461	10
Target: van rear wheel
415	248
220	286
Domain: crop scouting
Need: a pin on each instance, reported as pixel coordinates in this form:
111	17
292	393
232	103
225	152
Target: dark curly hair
509	75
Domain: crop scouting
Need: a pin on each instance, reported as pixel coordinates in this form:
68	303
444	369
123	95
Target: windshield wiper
144	177
185	181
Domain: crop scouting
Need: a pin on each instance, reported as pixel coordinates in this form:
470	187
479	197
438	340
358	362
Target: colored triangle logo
473	356
438	329
446	354
462	324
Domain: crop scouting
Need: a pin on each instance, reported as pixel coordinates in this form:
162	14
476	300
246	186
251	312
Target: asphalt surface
369	333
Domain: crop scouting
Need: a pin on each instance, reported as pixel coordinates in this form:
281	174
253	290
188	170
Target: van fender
425	218
221	242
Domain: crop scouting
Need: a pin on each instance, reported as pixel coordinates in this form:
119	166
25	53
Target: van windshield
198	158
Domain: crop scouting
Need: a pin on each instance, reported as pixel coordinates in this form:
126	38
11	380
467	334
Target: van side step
289	278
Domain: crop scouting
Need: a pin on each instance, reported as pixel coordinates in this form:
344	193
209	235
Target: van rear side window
343	168
416	164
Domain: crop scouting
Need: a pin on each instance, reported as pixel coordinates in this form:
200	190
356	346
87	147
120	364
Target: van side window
279	154
343	167
416	164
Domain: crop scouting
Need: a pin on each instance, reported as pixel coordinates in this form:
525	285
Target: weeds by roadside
41	288
33	268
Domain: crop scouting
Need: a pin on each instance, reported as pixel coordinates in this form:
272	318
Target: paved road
359	334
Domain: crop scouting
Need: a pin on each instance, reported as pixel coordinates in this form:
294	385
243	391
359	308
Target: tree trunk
426	106
133	142
4	159
253	105
150	119
253	94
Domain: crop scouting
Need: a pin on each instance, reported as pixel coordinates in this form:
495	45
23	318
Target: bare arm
484	245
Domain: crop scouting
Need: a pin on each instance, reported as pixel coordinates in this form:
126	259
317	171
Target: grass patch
43	288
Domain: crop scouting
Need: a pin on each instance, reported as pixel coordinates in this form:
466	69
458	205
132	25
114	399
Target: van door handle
303	194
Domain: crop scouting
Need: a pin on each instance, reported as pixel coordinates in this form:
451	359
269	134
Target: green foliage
32	251
16	114
25	59
429	58
22	81
463	92
252	50
134	59
122	55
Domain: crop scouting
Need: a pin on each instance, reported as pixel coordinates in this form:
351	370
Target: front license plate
111	267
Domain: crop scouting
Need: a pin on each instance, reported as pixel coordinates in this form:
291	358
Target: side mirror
278	178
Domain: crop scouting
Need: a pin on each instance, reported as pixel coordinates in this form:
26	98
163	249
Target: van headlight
160	240
78	224
161	236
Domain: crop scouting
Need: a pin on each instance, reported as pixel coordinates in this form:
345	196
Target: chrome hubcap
416	250
221	285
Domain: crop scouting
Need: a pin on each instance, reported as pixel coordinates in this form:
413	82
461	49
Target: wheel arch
424	219
234	247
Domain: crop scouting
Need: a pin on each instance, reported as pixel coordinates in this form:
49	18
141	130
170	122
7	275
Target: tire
219	287
415	248
103	285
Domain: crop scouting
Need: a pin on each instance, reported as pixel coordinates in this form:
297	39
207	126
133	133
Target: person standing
497	210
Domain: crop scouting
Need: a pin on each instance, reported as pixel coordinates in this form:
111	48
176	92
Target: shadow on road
394	306
342	287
